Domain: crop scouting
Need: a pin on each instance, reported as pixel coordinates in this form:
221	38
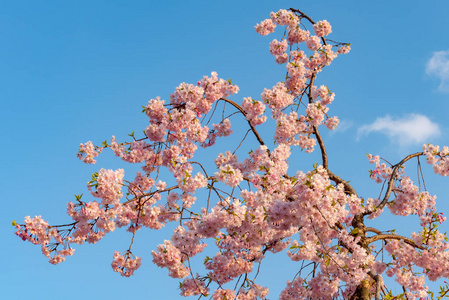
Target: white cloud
412	129
438	66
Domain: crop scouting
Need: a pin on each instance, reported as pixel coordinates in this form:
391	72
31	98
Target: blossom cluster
124	264
88	152
37	231
381	172
293	128
254	111
438	158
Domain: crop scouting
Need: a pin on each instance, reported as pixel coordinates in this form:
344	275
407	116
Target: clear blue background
73	71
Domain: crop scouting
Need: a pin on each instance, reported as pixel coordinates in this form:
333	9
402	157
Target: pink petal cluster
37	231
277	97
88	152
381	172
313	43
265	27
229	175
409	200
193	287
278	48
438	158
223	294
332	123
254	111
322	28
124	264
107	185
325	95
170	257
284	18
343	49
221	129
297	35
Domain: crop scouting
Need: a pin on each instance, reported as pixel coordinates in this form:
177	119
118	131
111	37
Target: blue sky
78	71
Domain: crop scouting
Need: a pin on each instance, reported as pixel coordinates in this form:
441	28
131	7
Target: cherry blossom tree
250	205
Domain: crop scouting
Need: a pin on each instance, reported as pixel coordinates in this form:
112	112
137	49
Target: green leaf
354	231
330	187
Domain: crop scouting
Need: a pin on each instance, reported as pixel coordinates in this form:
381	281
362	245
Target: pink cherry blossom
124	264
254	111
88	152
313	43
322	28
265	27
297	35
284	17
278	48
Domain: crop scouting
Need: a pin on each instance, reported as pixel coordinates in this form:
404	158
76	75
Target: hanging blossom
265	27
124	264
88	152
254	111
438	158
322	28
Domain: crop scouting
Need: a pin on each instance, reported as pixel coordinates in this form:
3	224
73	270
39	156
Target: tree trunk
362	291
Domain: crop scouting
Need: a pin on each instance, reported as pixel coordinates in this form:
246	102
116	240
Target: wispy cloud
412	129
438	66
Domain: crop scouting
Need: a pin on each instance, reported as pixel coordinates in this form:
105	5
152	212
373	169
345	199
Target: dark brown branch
372	229
309	94
348	188
391	181
378	279
393	237
259	139
303	15
322	147
56	226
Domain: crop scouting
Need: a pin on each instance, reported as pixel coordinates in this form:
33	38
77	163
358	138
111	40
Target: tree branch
259	139
372	229
322	147
391	181
393	237
303	15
